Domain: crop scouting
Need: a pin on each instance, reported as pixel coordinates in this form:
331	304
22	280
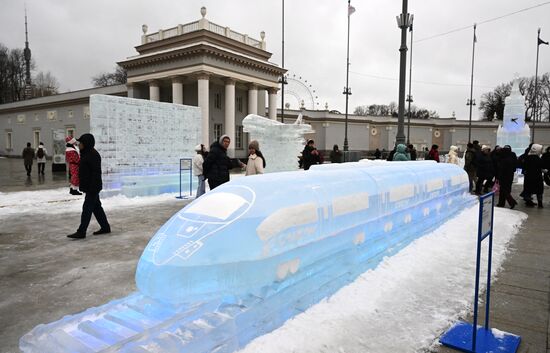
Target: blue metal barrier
472	338
186	164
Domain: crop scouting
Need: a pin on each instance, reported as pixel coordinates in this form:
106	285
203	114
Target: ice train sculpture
239	261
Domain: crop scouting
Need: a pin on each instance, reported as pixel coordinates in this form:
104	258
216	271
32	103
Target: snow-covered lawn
54	201
406	302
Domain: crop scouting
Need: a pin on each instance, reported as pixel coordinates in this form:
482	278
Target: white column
272	103
177	90
261	102
203	92
131	90
154	91
230	114
253	99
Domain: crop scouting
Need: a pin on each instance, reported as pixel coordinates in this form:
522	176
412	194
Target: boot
529	203
540	204
77	235
75	192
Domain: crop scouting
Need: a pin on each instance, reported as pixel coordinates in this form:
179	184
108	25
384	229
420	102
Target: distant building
228	75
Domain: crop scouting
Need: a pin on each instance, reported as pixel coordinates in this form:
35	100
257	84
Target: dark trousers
28	168
504	196
480	184
41	167
92	205
214	183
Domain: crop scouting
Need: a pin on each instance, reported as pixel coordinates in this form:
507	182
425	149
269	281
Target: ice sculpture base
459	337
147	185
518	140
139	324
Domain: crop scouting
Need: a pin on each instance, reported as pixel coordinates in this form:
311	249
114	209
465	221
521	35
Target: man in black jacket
91	184
217	164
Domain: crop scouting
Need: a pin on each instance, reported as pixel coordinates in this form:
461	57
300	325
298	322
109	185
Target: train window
401	192
287	217
462	178
350	203
225	204
434	184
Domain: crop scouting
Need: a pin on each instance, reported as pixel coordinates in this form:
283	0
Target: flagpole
410	98
403	22
471	102
534	117
347	90
283	79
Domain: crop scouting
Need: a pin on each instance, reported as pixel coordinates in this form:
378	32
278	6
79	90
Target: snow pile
406	302
55	201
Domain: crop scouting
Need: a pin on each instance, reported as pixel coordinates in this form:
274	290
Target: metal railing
197	25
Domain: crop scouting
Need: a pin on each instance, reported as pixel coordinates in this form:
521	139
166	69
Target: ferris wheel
299	94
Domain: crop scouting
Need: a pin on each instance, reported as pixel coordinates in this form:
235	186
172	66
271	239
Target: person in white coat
198	160
453	155
256	160
41	153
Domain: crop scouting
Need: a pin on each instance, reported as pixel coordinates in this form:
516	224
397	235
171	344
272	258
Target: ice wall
281	144
514	131
141	142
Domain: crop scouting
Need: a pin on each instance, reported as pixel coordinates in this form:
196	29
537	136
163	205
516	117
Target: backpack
40	153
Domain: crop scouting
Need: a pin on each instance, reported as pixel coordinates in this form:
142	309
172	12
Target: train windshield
219	205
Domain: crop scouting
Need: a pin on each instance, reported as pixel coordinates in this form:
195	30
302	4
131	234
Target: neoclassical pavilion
226	73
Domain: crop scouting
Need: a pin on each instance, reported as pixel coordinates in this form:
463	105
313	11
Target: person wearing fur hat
72	156
217	164
453	155
256	160
533	182
198	160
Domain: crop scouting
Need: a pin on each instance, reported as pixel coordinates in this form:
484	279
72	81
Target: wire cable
482	22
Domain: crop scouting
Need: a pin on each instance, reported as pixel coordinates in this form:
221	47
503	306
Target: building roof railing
202	24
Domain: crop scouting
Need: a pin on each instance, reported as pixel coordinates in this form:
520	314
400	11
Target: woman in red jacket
72	156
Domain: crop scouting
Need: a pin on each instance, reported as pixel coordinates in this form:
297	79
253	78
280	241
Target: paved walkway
520	296
13	177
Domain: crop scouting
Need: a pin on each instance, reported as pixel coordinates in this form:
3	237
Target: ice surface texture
138	137
514	131
281	144
242	259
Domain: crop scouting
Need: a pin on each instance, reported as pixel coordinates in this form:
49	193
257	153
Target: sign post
472	338
186	165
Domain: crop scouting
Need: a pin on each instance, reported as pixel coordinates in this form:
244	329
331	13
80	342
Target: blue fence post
188	168
490	257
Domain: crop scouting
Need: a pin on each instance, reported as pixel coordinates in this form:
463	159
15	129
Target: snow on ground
54	201
406	302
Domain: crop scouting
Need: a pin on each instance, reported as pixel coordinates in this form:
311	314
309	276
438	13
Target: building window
36	138
86	112
9	142
239	138
218	101
240	103
218	131
71	131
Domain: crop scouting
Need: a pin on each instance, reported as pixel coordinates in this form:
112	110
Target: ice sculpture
514	131
141	142
281	144
242	259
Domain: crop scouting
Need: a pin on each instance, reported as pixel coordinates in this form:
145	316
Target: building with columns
228	75
225	73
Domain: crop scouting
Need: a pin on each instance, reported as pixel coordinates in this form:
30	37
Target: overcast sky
76	39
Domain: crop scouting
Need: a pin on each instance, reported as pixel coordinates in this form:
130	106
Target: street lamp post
403	22
409	97
347	89
282	80
471	102
534	117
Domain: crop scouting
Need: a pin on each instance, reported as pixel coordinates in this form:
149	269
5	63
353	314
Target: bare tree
494	101
45	84
109	79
